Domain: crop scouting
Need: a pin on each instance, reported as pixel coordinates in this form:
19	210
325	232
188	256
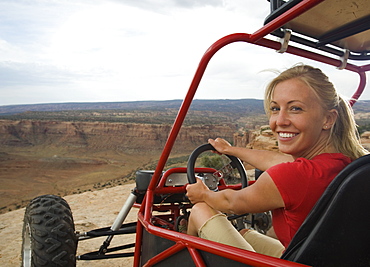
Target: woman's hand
195	192
221	145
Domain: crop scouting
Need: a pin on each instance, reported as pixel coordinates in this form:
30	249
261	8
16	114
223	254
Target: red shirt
301	183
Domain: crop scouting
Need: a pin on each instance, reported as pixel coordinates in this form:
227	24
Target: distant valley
150	112
75	147
71	148
155	112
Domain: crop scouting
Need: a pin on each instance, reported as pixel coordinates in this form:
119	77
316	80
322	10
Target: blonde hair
344	135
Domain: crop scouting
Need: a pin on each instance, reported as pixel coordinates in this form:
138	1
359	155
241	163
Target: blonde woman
317	138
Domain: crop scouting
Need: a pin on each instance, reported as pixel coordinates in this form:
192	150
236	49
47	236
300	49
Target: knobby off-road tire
48	233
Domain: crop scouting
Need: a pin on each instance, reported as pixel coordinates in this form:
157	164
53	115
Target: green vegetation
215	161
123	116
364	128
202	112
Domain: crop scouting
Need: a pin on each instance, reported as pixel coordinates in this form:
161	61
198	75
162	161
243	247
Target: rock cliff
261	138
101	135
56	157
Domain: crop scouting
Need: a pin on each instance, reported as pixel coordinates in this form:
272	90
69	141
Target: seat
336	233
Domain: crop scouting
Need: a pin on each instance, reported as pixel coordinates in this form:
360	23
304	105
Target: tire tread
53	238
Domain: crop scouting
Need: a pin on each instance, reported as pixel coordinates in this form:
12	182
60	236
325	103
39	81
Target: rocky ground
91	210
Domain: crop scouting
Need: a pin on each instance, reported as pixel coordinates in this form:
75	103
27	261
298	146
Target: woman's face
297	119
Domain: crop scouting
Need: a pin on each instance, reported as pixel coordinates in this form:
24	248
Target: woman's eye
274	109
295	109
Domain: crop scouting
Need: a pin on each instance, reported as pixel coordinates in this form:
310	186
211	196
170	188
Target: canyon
58	157
66	149
63	157
91	158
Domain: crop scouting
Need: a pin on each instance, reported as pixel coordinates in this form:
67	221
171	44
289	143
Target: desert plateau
90	158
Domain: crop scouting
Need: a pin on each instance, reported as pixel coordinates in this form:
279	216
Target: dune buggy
334	32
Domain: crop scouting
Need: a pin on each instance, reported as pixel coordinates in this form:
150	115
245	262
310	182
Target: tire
48	233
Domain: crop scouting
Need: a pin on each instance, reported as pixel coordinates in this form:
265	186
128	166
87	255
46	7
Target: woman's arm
260	159
262	196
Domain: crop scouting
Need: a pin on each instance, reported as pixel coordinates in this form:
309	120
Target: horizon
130	101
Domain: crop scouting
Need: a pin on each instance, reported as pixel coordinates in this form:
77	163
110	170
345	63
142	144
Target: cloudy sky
54	51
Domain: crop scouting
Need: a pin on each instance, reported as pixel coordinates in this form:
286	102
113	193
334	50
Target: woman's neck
322	147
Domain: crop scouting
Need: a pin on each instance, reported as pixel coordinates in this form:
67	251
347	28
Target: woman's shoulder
321	161
327	159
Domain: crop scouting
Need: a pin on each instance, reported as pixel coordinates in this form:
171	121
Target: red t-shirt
301	183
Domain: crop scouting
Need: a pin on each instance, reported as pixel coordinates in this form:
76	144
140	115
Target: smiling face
301	125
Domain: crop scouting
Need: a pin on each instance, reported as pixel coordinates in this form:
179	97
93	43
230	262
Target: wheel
48	233
263	222
235	163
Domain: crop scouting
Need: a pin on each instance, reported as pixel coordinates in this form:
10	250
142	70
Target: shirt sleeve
291	181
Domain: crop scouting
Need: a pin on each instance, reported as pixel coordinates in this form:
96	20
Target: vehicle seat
337	230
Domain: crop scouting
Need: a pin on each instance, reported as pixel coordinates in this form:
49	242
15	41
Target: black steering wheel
235	163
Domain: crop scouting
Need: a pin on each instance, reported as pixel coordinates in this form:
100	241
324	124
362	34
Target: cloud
114	50
162	5
31	74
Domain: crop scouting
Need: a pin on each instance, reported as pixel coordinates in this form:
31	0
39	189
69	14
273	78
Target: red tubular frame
193	243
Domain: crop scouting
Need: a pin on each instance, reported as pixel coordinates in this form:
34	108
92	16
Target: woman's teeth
287	135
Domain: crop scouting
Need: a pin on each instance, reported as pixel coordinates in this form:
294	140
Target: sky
55	51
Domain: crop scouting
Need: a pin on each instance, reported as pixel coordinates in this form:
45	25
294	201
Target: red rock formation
104	135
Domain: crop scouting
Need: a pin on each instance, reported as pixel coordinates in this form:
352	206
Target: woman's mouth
287	135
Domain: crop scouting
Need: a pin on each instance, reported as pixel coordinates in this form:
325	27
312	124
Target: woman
317	138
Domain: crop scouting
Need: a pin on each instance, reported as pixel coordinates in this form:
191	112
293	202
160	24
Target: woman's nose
282	119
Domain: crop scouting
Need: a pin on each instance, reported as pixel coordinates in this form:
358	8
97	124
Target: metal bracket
344	60
285	41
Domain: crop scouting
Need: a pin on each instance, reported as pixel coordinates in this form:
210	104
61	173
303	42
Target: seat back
337	230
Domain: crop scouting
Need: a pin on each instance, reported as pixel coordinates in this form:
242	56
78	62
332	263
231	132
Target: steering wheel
235	163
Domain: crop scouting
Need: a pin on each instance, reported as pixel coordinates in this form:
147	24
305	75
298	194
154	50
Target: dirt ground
91	210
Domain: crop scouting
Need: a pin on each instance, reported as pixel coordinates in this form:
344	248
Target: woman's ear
331	118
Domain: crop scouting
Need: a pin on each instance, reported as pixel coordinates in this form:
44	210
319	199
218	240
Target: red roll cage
321	53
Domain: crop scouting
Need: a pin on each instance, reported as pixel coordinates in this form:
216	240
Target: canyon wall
262	138
55	157
101	135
